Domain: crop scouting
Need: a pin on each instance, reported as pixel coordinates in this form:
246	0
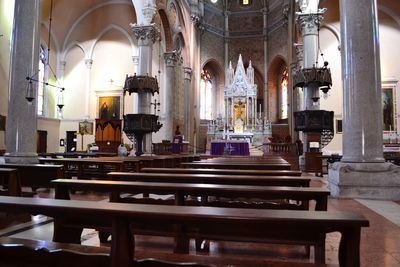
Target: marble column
362	173
187	87
88	64
265	89
21	120
171	58
146	36
309	20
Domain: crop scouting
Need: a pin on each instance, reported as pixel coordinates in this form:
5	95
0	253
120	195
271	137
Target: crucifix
156	105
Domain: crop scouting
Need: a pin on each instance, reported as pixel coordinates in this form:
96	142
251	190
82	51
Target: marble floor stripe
388	209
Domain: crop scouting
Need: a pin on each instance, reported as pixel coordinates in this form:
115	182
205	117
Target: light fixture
214	1
30	89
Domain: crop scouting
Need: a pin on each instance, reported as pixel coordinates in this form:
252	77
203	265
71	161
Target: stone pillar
265	89
21	121
88	63
309	20
362	173
171	58
187	87
146	36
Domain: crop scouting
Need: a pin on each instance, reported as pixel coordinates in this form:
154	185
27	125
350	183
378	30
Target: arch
91	10
215	68
52	36
106	30
70	46
333	30
390	13
275	69
167	30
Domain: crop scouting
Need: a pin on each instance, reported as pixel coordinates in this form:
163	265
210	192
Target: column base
365	180
21	158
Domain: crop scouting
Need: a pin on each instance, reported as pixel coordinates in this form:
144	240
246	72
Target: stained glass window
41	78
205	95
284	94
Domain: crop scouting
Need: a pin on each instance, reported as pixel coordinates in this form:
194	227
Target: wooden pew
239	196
213	179
238	165
10	181
223	171
17	252
180	190
209	222
86	167
36	175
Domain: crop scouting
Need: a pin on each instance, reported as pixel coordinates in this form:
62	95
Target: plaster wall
52	126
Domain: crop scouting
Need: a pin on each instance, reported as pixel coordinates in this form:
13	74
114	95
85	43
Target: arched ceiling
65	13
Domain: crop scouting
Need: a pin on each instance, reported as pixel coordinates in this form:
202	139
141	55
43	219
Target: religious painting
86	128
109	107
2	123
388	109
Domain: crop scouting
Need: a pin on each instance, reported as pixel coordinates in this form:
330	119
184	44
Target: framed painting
388	109
109	107
86	127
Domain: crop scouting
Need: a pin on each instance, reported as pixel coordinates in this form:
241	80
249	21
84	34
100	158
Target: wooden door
71	141
41	142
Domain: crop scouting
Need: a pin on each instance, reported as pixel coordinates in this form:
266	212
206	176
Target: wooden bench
36	175
238	165
86	167
213	179
10	181
224	171
181	190
209	222
17	252
238	196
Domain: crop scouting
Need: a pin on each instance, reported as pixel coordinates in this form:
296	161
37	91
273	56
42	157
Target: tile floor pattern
380	243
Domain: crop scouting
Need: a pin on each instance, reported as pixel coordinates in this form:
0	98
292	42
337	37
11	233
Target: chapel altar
241	120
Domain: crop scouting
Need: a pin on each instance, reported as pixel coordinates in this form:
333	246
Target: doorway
71	141
41	142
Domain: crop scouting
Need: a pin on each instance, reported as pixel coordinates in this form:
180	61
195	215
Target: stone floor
380	243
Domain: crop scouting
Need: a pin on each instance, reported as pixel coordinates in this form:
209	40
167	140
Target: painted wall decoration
388	111
109	107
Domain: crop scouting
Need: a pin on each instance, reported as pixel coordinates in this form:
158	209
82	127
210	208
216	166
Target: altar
230	147
241	120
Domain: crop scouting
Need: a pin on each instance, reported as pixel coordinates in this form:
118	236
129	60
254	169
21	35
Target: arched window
41	78
205	95
284	94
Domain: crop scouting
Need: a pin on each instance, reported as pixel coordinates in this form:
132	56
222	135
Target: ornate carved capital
147	34
171	58
309	22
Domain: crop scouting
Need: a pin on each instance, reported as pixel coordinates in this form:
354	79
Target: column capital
187	73
146	34
309	22
171	58
89	63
